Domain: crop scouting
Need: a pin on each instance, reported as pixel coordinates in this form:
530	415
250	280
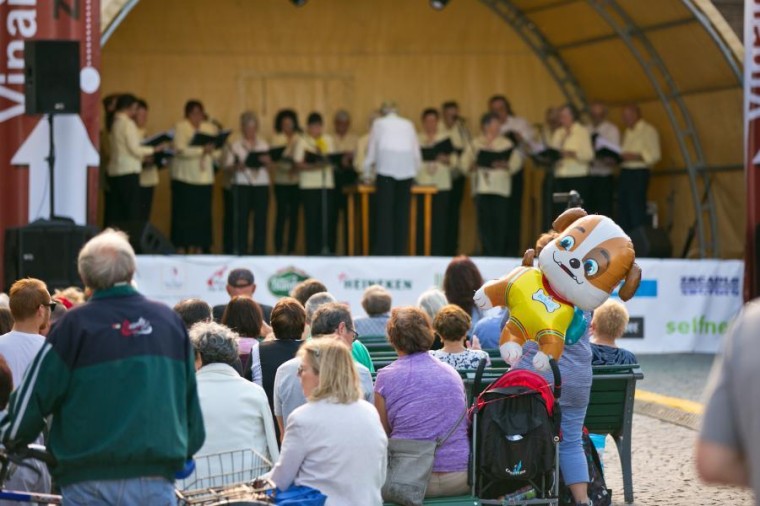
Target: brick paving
663	469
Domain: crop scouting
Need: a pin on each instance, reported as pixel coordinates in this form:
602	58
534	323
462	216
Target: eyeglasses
51	304
300	370
353	331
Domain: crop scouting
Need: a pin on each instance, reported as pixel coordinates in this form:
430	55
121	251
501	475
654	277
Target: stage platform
681	306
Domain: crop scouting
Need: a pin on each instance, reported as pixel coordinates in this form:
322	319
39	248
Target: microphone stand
325	248
235	210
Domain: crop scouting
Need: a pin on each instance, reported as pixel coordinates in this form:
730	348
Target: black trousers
632	198
455	206
392	201
288	203
601	195
440	226
191	215
313	211
243	203
146	202
344	177
514	216
124	193
564	184
493	223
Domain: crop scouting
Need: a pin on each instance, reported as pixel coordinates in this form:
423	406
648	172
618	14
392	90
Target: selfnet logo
696	326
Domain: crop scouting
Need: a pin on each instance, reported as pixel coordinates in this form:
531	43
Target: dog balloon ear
565	219
631	283
528	257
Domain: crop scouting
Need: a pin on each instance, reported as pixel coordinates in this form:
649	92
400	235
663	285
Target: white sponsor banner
681	305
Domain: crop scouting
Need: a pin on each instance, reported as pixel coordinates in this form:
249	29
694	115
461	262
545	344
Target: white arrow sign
74	152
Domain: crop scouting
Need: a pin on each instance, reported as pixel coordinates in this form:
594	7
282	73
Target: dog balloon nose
575	263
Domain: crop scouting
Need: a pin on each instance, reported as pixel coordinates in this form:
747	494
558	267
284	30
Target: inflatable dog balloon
576	272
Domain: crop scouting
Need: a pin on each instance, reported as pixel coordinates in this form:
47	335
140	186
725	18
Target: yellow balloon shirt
533	309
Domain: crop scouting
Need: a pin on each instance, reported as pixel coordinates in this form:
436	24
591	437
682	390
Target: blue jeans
155	491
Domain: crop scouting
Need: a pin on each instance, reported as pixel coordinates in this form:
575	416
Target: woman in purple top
420	397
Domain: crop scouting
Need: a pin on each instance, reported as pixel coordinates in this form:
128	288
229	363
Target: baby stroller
515	439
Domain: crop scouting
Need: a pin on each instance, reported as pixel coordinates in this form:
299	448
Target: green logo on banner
283	281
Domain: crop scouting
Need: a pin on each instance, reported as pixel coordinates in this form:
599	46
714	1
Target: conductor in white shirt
395	152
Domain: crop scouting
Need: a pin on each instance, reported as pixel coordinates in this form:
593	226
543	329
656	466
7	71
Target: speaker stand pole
51	166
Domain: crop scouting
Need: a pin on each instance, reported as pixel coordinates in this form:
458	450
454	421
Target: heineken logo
282	282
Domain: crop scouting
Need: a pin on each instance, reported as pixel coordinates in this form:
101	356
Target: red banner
752	145
24	185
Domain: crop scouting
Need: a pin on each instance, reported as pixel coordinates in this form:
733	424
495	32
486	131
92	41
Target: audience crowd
294	382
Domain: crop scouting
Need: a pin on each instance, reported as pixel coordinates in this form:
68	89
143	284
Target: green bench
462	500
610	411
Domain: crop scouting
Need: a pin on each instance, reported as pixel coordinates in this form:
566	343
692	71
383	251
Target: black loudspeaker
153	242
650	242
51	76
46	250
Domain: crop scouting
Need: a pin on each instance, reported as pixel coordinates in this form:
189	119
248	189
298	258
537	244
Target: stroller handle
557	378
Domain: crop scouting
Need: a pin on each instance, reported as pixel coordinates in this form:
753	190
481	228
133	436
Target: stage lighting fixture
438	4
299	3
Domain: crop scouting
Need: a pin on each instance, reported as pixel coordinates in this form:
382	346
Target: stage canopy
678	59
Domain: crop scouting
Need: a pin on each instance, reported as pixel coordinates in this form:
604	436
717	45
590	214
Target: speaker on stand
48	249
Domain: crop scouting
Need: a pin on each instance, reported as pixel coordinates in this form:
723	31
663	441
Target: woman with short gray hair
246	165
235	411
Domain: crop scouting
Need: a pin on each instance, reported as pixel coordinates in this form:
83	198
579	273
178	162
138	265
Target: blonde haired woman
334	443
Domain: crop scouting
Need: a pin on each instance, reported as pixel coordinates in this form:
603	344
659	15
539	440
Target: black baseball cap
240	278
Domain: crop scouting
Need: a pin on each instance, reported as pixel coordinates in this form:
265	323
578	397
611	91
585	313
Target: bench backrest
612	394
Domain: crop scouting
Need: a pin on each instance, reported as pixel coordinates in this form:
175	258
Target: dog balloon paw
511	352
541	361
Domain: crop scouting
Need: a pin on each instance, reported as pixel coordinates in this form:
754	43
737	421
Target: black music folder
548	156
314	158
608	154
158	139
486	159
200	139
161	159
277	153
253	160
444	147
606	150
336	159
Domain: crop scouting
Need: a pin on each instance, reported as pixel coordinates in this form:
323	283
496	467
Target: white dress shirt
523	128
238	152
609	132
519	125
393	148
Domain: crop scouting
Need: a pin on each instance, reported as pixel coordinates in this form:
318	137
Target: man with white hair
117	375
394	151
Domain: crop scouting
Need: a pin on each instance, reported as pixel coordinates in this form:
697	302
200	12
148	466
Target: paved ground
663	469
680	375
